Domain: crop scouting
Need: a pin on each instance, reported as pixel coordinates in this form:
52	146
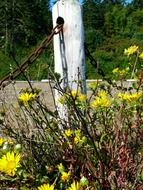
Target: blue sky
128	1
52	1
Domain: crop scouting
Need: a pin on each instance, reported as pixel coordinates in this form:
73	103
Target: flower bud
17	147
84	181
5	147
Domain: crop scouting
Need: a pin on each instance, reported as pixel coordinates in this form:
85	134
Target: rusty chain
93	61
31	58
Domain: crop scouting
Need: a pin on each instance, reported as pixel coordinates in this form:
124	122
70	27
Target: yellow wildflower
2	140
102	100
80	140
93	85
130	97
74	93
120	72
68	133
81	97
26	98
61	167
65	176
65	97
131	50
46	187
9	163
141	55
74	186
115	71
76	140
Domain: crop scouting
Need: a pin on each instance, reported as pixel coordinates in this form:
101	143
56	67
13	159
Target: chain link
31	58
93	61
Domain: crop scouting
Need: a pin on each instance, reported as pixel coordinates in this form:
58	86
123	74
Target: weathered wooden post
69	46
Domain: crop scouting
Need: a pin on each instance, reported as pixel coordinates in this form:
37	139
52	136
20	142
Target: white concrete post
69	46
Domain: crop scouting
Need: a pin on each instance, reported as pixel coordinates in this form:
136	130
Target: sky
53	1
128	1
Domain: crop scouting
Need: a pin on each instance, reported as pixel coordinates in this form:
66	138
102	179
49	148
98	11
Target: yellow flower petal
2	140
46	187
74	186
131	50
101	101
130	97
65	176
9	163
141	55
26	98
68	133
61	167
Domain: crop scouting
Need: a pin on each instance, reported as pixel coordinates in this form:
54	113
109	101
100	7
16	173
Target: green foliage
108	35
110	26
5	62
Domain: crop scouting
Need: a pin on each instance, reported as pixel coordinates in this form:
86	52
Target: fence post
69	45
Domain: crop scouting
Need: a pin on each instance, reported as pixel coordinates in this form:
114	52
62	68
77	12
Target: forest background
110	27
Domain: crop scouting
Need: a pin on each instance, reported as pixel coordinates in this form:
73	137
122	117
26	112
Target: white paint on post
69	46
